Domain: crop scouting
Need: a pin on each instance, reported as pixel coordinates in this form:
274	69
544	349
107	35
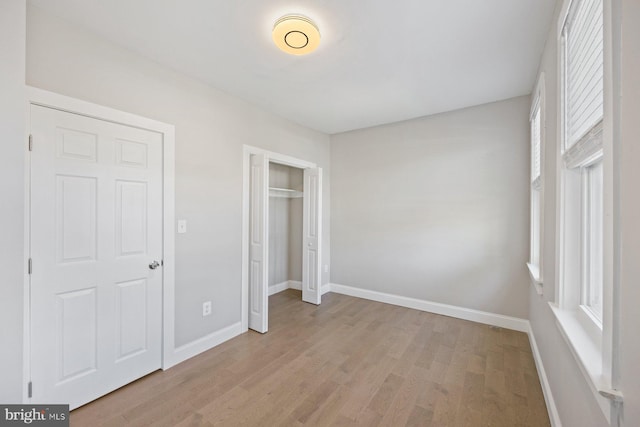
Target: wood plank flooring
347	362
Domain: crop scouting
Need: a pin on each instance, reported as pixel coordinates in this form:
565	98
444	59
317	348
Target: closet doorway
282	229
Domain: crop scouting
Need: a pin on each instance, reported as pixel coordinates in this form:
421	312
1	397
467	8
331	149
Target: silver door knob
154	265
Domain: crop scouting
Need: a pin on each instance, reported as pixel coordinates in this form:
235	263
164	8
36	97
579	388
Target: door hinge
30	266
30	389
30	142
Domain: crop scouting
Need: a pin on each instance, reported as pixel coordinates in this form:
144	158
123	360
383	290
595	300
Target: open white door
258	244
96	246
312	236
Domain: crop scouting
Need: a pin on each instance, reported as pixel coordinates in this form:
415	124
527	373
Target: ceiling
379	61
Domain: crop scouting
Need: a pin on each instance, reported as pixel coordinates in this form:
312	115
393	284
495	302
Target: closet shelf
284	192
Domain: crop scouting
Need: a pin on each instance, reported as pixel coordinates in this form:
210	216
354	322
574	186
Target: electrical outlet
326	268
182	226
206	308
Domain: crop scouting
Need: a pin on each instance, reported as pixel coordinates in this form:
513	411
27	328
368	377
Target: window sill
536	280
588	355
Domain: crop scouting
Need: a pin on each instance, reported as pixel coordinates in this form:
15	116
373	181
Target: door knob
154	265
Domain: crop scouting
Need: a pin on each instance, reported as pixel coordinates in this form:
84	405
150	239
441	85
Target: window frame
597	359
587	241
536	188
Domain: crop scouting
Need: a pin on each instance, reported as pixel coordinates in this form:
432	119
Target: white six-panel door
258	243
312	236
96	226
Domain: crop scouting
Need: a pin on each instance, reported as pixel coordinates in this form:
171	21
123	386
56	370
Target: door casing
272	157
56	101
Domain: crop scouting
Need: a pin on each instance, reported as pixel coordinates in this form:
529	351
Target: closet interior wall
285	227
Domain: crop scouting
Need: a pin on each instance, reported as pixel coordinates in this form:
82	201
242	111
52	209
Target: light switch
182	226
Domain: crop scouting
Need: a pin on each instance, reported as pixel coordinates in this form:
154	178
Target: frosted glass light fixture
296	34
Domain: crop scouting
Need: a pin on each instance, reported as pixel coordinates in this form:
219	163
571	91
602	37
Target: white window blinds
535	145
583	37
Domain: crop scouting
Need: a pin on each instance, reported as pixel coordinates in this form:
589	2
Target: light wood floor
346	362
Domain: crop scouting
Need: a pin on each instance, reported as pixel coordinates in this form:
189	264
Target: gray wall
12	140
285	226
576	404
278	240
630	213
629	373
278	226
295	238
211	128
436	208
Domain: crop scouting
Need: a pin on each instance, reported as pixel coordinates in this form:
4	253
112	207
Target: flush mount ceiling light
295	34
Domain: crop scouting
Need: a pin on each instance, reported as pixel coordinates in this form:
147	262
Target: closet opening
285	227
282	229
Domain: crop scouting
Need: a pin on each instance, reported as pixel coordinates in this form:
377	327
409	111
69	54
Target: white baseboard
493	319
295	284
287	284
274	289
205	343
554	417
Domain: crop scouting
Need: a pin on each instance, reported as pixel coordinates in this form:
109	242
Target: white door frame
272	157
71	105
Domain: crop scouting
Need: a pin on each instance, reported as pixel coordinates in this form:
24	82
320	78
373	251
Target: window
582	192
582	285
536	121
593	242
